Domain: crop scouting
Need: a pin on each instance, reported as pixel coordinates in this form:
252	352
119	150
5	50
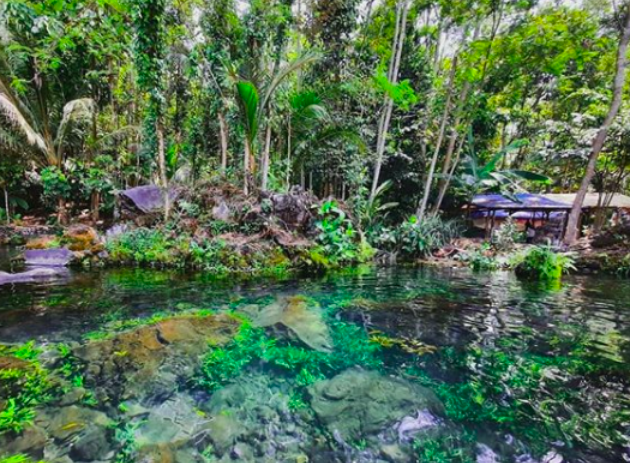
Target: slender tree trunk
427	185
95	205
265	160
61	211
383	127
6	204
461	104
246	158
288	175
448	176
223	138
162	167
571	232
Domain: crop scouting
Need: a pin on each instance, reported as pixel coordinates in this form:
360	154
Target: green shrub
56	185
419	238
543	263
338	240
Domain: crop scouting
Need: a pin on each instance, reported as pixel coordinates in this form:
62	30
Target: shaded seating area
548	212
490	211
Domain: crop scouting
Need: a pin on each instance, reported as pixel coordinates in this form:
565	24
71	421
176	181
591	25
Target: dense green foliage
448	101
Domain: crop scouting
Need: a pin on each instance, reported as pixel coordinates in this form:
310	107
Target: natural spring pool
368	365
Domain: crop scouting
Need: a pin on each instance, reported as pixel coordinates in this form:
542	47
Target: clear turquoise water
477	324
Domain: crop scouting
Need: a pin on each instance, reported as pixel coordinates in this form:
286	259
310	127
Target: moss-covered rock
147	362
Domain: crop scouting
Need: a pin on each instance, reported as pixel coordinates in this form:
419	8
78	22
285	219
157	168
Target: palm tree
255	103
307	112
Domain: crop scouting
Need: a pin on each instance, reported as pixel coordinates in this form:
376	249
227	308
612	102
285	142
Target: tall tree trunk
223	138
265	160
162	167
573	221
461	104
383	127
422	207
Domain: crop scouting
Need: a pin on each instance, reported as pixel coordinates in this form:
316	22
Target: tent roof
525	201
591	199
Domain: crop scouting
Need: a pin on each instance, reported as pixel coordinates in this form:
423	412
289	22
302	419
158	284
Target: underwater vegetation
533	396
24	384
303	365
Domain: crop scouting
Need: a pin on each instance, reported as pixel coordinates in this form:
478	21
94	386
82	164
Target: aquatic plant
24	384
20	458
530	395
303	365
124	434
407	345
542	262
446	448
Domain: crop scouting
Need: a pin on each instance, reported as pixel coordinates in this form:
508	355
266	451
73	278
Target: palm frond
284	72
248	96
15	117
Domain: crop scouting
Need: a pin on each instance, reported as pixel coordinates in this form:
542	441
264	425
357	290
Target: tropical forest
314	231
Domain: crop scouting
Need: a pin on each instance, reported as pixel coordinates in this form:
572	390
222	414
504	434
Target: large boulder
147	363
293	209
48	257
294	315
143	202
357	403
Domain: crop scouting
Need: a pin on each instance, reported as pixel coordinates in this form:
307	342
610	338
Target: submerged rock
147	362
89	431
29	276
303	321
358	403
170	427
